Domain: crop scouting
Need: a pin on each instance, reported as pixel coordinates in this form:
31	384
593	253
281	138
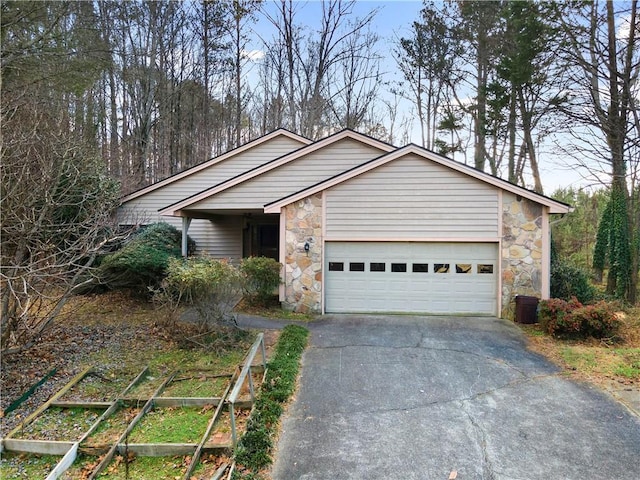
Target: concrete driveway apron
402	397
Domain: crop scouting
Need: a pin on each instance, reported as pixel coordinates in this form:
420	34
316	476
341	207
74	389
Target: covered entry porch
236	233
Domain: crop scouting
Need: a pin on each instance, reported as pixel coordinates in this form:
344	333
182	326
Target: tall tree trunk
528	138
617	119
480	120
511	130
238	80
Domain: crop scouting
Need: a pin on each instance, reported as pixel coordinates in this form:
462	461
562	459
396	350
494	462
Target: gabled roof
248	175
197	168
554	205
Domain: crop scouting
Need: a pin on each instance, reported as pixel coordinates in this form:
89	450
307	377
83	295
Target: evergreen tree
603	113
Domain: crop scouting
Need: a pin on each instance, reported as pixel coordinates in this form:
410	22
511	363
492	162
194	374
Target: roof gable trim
174	210
213	161
554	205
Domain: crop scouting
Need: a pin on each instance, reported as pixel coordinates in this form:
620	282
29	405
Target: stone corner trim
521	252
303	268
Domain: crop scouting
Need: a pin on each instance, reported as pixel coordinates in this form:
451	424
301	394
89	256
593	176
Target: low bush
598	320
555	315
572	319
212	287
262	277
569	281
142	262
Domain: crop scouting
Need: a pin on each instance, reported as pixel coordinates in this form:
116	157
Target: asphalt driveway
436	398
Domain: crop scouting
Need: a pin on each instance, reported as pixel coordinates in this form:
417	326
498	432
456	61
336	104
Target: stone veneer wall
303	270
521	251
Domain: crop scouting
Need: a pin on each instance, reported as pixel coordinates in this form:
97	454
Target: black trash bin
526	309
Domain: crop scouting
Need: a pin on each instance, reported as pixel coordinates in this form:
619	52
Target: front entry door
262	237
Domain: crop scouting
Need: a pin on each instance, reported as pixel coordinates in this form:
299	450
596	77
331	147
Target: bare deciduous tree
329	75
57	206
240	13
56	199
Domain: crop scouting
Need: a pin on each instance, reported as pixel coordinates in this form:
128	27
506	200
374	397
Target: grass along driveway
610	364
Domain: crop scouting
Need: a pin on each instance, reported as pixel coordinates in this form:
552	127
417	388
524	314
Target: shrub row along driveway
420	397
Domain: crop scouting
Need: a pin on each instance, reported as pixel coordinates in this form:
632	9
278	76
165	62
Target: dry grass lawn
602	362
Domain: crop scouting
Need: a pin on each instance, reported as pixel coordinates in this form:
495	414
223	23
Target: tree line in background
158	86
102	98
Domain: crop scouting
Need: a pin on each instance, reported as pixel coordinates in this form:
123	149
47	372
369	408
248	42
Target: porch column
186	221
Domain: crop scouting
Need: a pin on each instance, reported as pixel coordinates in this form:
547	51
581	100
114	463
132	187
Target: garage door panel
378	286
409	280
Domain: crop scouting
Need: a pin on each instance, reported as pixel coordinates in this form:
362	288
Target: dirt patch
61	424
270	340
112	428
22	465
222	430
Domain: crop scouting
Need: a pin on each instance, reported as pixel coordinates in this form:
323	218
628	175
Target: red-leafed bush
556	318
598	320
571	319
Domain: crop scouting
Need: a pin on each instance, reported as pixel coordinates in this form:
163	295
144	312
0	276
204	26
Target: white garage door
438	278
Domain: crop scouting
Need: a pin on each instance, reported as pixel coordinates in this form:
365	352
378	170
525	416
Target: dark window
356	267
420	267
463	268
485	268
336	267
398	267
268	235
441	267
267	241
377	267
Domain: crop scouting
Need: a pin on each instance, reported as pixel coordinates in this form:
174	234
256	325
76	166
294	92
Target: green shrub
212	287
555	316
568	281
253	451
262	277
571	319
142	262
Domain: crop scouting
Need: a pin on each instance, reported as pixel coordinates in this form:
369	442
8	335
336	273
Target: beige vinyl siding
222	238
149	204
411	198
293	176
218	240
